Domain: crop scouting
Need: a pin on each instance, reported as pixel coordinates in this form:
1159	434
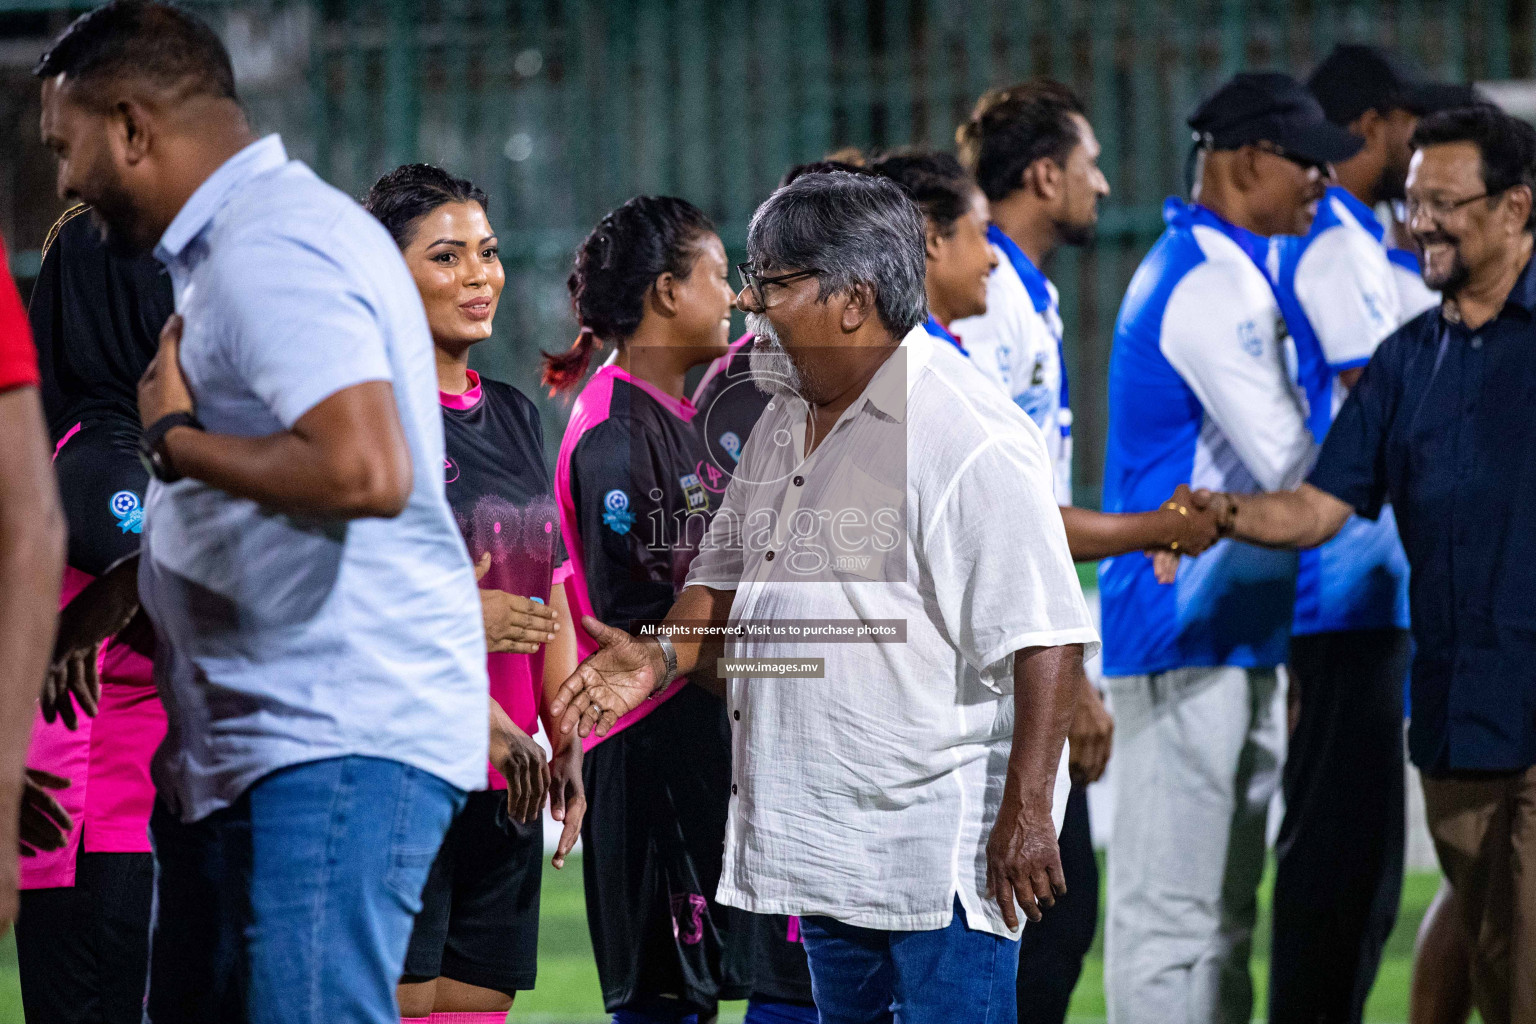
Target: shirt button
733	789
736	715
768	557
1477	341
799	481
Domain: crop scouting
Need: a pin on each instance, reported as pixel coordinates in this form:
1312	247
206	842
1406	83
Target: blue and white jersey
943	333
1339	295
1017	343
1413	295
1200	393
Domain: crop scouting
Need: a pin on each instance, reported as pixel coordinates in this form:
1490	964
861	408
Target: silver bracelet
670	654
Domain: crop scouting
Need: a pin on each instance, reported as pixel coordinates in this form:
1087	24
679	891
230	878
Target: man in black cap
1378	96
1336	898
1440	425
1198	392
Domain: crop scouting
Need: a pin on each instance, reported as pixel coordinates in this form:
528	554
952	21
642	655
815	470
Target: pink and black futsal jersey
502	498
636	493
728	405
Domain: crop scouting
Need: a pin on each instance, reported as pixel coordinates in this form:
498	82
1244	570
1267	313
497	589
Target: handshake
1203	518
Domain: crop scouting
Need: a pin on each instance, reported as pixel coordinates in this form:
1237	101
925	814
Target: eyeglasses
1308	165
754	284
1439	208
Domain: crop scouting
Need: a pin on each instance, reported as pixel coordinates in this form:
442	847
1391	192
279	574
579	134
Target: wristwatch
151	445
670	654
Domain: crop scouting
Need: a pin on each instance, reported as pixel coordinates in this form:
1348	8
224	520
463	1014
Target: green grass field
568	993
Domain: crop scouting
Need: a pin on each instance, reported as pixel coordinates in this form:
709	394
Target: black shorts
83	950
479	920
764	955
652	845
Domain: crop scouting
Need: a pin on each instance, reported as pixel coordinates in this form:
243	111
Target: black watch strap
150	447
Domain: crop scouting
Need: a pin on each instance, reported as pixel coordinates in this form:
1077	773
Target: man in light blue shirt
320	646
1198	391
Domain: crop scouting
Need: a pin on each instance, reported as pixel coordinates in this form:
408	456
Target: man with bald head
1198	391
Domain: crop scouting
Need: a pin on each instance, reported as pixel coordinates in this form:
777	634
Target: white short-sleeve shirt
868	795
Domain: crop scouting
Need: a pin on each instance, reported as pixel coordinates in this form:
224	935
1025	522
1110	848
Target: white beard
773	372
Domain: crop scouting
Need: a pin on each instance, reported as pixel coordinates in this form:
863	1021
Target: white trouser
1197	759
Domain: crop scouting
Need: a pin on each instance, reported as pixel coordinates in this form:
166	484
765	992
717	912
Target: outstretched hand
610	683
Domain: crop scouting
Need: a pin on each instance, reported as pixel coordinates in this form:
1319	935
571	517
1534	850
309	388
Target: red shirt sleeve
18	357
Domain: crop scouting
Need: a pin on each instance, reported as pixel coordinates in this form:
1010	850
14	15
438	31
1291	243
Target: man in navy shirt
1198	393
1440	425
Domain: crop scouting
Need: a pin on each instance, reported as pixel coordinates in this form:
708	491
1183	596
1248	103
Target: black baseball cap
1271	106
1355	78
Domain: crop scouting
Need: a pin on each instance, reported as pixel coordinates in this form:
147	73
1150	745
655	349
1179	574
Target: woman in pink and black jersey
636	492
475	942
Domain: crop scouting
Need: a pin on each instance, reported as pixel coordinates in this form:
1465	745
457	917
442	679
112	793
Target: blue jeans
295	903
948	976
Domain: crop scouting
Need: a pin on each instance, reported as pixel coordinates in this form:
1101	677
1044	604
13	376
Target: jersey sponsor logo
616	514
1248	337
1373	310
128	510
450	471
732	445
694	497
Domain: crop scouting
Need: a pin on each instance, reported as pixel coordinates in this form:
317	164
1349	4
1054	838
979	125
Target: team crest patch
616	514
693	492
732	445
125	505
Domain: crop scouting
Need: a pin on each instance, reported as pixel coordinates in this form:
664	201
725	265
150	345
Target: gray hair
851	229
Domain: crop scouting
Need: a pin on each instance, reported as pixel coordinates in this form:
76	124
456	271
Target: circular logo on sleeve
616	514
128	511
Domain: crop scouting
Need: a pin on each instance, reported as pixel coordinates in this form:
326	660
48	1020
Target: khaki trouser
1485	835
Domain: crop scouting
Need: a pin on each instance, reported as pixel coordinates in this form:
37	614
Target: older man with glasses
898	784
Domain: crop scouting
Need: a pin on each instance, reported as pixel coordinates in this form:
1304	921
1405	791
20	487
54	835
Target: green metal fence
562	108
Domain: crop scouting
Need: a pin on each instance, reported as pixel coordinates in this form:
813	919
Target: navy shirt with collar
1441	425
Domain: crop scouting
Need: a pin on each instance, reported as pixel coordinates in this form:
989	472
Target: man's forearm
1303	518
282	471
694	608
1095	535
560	661
1046	683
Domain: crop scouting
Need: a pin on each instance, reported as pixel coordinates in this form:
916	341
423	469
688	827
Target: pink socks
498	1017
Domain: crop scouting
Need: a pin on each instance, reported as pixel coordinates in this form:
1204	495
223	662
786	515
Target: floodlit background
562	109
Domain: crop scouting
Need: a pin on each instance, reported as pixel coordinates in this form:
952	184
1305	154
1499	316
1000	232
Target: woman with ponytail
475	941
636	491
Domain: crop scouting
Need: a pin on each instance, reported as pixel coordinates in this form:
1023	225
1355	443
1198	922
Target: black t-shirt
634	496
729	405
500	493
96	317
